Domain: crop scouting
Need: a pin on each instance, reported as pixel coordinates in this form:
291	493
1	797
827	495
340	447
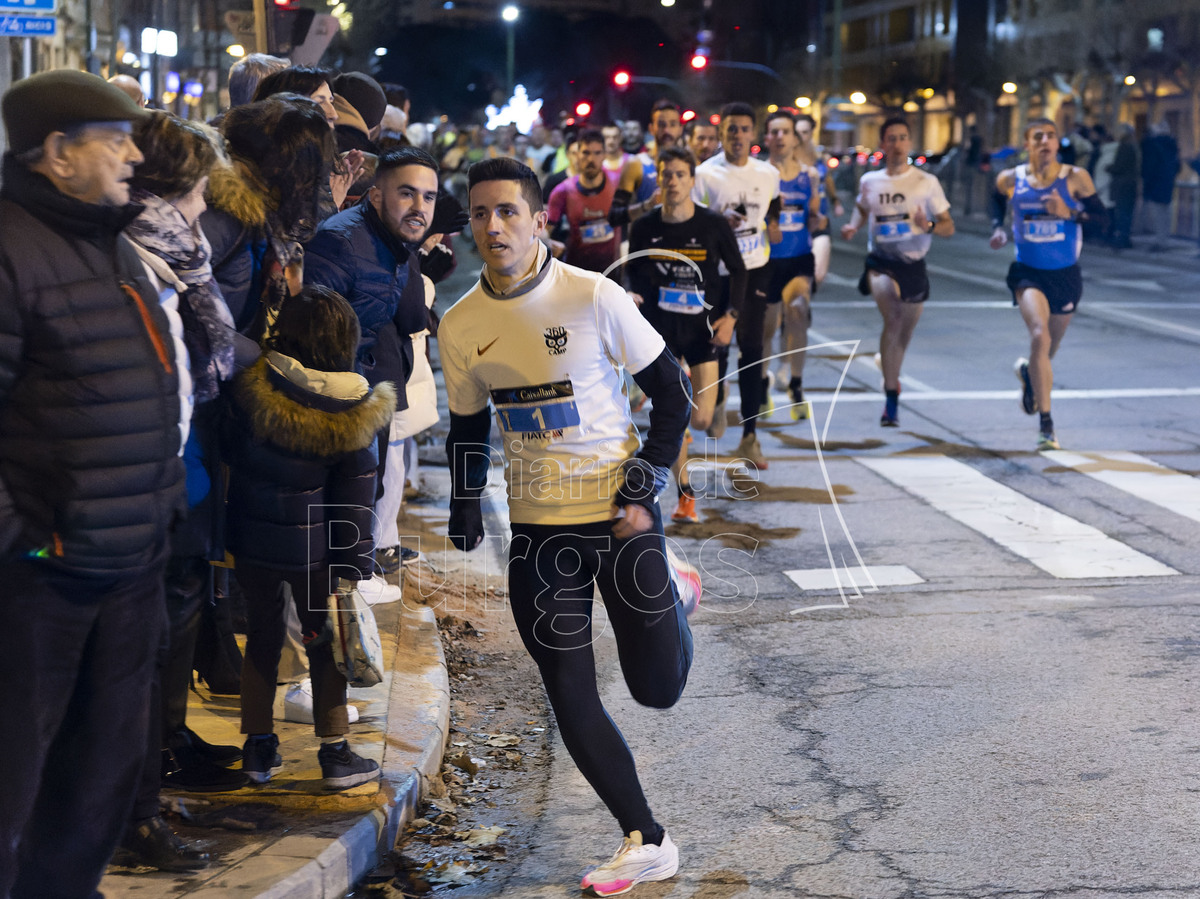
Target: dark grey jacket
90	475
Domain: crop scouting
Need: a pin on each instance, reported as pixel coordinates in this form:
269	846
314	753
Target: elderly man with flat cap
90	482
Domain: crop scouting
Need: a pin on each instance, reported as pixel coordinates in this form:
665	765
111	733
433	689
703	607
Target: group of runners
731	246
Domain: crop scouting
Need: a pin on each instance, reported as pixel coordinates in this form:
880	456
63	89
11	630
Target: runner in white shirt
905	207
746	192
544	343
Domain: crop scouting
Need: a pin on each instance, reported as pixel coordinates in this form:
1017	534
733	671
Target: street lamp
510	14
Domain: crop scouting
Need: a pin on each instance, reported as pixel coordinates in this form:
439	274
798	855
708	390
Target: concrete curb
419	709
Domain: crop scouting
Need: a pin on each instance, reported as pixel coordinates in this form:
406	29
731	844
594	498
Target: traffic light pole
261	27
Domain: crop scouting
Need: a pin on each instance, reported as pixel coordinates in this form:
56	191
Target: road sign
28	26
28	5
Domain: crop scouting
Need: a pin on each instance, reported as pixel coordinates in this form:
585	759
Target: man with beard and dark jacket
90	482
368	254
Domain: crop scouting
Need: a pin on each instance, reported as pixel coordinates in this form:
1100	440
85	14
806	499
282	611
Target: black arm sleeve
773	209
670	392
469	455
1094	210
732	257
998	207
618	213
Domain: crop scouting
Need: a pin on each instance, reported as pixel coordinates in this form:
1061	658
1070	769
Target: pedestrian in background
1123	187
90	482
1160	167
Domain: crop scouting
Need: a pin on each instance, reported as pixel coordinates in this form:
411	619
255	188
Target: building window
900	25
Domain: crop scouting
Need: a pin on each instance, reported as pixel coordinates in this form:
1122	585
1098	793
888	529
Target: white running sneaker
633	863
298	704
377	590
687	582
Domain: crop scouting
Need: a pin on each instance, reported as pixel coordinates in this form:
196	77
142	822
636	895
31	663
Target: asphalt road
1000	698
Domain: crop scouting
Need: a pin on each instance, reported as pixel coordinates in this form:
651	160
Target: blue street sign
28	26
28	5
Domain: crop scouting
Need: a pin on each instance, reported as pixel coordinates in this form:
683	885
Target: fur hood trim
281	418
235	189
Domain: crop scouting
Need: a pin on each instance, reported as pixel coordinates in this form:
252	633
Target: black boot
151	843
188	747
191	764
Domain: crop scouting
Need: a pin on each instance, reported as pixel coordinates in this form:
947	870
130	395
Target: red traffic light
688	115
583	108
699	61
622	79
283	4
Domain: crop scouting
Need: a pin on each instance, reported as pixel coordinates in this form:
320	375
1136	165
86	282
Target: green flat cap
41	104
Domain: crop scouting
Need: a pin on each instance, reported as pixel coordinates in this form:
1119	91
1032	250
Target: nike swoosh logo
655	240
483	349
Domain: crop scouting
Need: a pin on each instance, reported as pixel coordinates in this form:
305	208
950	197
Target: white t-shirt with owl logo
548	362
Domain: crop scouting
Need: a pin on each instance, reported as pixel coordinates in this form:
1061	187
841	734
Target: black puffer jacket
302	457
90	476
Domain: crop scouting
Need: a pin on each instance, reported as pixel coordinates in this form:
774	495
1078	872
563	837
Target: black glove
643	482
448	215
436	263
466	523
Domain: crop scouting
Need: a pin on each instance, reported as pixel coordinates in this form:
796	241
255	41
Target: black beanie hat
364	94
41	104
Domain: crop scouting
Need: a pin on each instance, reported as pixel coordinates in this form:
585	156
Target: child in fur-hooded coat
300	441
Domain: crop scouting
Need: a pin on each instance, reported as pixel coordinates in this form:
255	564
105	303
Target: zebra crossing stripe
1139	476
1055	543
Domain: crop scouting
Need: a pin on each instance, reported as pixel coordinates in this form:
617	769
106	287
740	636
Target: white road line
993	282
1142	284
1108	311
1139	476
829	579
912	384
1008	396
1056	543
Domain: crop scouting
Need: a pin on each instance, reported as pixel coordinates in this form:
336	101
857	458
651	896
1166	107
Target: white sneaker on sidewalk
633	863
298	704
376	590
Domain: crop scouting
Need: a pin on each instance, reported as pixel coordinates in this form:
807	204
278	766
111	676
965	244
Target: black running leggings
551	571
750	343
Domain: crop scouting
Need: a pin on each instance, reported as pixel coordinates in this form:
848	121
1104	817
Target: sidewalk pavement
290	838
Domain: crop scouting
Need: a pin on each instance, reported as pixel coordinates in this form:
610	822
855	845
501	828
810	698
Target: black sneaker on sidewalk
261	759
389	559
342	768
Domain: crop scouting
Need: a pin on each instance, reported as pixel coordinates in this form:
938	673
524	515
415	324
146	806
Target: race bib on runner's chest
1044	230
681	300
537	408
893	228
749	241
598	231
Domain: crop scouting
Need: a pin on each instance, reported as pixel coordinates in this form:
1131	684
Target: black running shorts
1062	287
784	270
909	276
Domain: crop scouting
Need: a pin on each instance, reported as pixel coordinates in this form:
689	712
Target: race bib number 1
536	408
